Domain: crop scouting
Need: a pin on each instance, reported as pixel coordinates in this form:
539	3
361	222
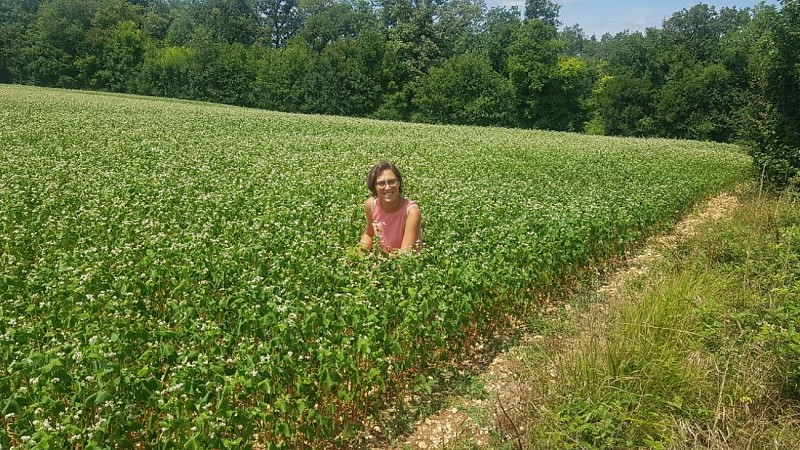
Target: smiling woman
391	219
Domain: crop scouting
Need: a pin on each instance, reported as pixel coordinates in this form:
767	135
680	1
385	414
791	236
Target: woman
393	220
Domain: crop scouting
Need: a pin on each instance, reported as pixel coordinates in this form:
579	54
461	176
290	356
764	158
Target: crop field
182	275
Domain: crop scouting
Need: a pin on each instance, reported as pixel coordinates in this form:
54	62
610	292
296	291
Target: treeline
727	75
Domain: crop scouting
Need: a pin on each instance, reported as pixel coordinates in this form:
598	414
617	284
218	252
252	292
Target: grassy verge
703	352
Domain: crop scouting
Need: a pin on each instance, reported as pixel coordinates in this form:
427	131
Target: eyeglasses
391	183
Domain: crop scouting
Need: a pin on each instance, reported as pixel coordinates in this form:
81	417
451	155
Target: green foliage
346	77
626	106
773	119
328	23
632	54
713	75
16	18
695	30
626	391
396	106
543	10
225	74
565	96
532	57
280	78
183	22
412	43
458	24
280	19
167	72
574	40
61	37
761	247
466	91
229	21
695	103
500	26
80	43
122	57
189	277
707	343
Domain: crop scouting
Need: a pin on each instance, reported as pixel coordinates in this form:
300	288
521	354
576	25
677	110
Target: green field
178	274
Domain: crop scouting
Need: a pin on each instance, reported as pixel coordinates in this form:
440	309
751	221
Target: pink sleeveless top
390	227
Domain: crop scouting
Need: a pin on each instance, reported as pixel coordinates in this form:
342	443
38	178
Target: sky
597	17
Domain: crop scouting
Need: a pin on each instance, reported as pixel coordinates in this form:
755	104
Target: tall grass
704	352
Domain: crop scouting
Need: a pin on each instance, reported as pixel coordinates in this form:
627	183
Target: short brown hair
376	170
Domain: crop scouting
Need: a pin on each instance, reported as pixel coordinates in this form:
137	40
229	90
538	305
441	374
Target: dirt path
475	419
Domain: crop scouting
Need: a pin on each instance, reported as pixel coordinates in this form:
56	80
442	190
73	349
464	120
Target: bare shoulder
368	205
413	209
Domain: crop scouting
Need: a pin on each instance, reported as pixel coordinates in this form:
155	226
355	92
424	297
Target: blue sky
612	16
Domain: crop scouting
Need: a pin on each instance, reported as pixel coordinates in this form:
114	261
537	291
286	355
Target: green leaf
98	397
265	386
191	444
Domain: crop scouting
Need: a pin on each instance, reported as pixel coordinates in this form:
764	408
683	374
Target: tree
773	118
345	79
694	103
457	25
60	39
532	58
412	39
625	106
421	34
155	20
16	21
167	72
279	20
695	29
226	73
633	54
466	91
282	77
328	22
544	10
229	21
413	47
564	96
497	34
121	58
183	24
574	40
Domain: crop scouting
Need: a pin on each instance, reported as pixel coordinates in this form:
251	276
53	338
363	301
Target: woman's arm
369	232
413	229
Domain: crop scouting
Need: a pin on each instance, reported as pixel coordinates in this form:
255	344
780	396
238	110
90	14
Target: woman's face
387	186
